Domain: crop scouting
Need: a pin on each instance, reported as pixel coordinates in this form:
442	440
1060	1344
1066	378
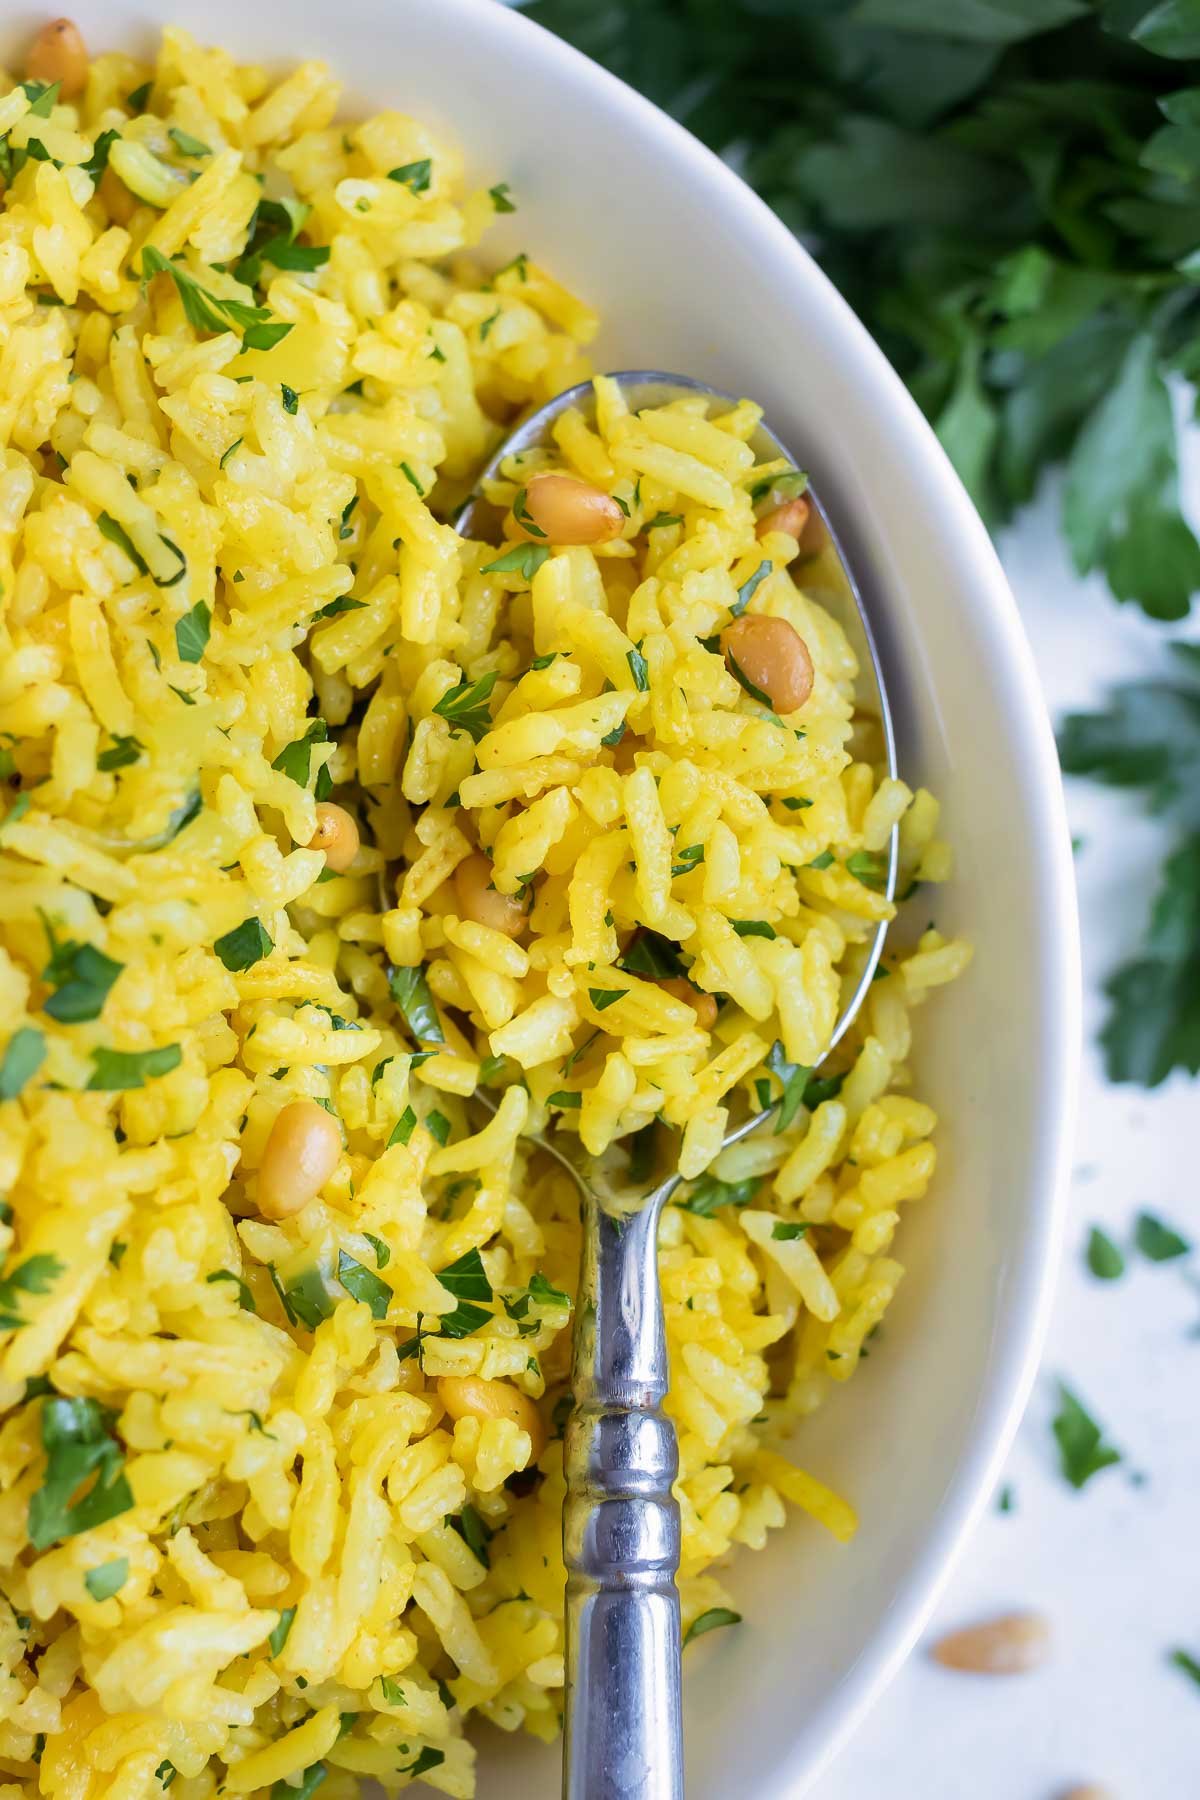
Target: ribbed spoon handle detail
621	1526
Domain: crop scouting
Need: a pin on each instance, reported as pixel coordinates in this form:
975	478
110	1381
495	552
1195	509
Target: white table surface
1115	1568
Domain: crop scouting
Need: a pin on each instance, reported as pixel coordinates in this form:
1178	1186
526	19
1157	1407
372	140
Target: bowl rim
1003	1399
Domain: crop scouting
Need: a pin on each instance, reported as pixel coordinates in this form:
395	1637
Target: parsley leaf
414	175
36	1275
712	1620
709	1194
650	954
295	760
116	1071
279	1633
107	1579
80	1448
1081	1447
474	1533
362	1285
245	945
186	144
522	559
1156	1241
192	632
500	198
1149	738
81	976
23	1056
750	587
1103	1257
123	752
404	1127
740	676
245	1297
410	990
465	706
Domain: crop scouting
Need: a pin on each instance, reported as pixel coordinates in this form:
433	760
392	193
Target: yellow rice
204	549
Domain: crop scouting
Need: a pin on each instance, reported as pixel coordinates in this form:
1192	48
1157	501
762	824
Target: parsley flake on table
1081	1447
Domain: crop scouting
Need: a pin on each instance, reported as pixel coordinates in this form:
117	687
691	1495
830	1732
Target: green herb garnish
1103	1257
1081	1447
465	706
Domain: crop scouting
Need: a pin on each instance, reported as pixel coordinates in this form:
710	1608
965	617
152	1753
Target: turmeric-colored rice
253	1536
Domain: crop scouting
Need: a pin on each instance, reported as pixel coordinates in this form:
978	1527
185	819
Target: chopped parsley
709	1194
36	1275
688	859
603	998
245	1297
123	752
290	398
206	312
245	945
279	1633
753	928
653	955
522	559
362	1285
474	1533
413	175
383	1255
524	518
1081	1447
465	706
192	632
869	868
500	198
1103	1257
81	976
23	1056
740	676
785	1231
116	1071
1156	1241
639	668
77	1436
403	1129
186	144
295	760
108	1579
712	1620
410	991
750	587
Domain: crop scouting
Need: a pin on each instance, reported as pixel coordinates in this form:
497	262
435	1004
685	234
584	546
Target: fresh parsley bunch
1008	193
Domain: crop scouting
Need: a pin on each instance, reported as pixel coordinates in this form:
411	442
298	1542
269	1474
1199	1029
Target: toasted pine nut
791	517
1089	1791
301	1154
773	656
470	1396
1006	1646
336	835
58	53
704	1005
567	511
481	902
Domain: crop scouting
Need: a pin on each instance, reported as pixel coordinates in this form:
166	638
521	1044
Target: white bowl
692	273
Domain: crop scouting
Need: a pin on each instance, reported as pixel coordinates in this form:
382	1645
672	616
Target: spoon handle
621	1526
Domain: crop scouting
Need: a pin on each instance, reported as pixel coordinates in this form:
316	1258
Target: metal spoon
623	1730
